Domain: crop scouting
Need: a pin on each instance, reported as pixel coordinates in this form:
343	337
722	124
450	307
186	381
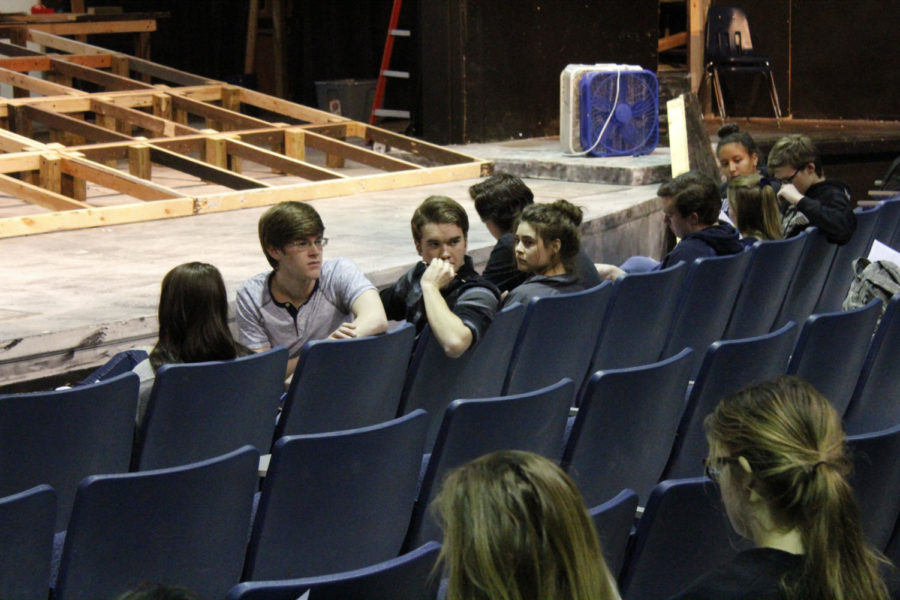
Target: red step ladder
384	73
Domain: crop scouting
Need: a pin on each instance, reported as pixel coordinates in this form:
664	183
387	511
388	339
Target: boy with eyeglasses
443	290
807	198
303	297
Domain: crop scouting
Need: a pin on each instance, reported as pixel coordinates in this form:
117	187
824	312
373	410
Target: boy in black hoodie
691	206
825	203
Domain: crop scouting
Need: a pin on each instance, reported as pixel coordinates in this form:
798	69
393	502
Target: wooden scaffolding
84	124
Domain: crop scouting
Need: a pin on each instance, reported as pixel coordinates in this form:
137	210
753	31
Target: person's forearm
368	313
448	329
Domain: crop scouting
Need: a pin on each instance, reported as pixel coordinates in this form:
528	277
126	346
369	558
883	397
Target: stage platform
72	299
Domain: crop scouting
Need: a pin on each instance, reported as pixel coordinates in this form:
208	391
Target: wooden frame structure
110	119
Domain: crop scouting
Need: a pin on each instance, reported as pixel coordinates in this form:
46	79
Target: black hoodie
716	240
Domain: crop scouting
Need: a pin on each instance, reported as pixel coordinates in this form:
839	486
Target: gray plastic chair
557	339
766	280
26	543
704	305
613	521
434	380
876	399
345	384
61	437
200	410
841	274
638	318
625	428
407	577
682	534
184	526
728	367
533	421
337	501
831	350
876	482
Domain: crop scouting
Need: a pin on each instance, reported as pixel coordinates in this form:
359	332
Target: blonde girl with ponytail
777	453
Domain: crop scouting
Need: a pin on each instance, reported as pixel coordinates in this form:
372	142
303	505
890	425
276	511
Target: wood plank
155	125
8	49
48	40
95	61
108	81
96	217
203	171
88	27
33	84
280	162
50	173
37	195
289	109
25	63
62	122
357	153
433	152
216	113
672	41
341	187
13	142
123	183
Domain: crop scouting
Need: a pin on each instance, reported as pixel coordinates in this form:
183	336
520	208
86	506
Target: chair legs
717	88
773	94
713	74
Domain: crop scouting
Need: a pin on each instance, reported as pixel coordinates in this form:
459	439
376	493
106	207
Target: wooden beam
280	162
8	49
107	81
48	40
416	147
216	113
50	173
357	153
13	142
33	84
24	64
37	195
696	13
201	170
94	27
94	61
116	180
139	163
62	122
672	41
156	125
289	109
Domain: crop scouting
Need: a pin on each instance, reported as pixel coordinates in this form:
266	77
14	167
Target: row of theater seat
340	501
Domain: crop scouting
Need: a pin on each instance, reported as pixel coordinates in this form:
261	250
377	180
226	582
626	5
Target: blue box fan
619	112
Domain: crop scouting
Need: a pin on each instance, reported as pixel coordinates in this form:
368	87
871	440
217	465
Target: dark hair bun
569	210
728	129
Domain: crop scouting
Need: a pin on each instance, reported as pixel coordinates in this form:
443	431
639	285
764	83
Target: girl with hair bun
776	451
548	240
516	528
754	209
737	152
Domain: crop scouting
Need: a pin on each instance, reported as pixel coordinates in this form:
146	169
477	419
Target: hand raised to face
439	273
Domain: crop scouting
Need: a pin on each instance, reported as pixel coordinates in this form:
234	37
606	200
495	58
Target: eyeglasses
306	244
791	178
713	468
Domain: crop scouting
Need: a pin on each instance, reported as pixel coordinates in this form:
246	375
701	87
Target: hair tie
812	468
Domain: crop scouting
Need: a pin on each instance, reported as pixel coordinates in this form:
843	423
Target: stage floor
71	299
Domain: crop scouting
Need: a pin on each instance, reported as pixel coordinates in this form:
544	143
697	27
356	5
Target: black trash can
351	98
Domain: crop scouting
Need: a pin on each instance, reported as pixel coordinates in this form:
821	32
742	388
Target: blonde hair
792	439
754	208
515	527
